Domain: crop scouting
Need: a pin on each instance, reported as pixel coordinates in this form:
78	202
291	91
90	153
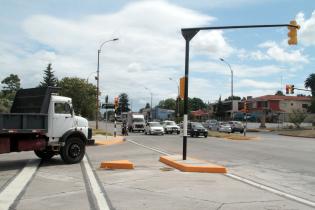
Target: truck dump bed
29	112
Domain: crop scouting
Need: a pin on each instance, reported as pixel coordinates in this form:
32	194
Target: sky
151	49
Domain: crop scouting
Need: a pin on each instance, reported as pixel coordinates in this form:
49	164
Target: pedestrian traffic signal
182	87
292	35
116	103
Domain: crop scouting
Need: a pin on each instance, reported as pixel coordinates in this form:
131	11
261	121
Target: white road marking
270	189
150	148
13	190
97	191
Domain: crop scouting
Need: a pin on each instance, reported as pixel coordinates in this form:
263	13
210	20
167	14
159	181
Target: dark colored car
196	129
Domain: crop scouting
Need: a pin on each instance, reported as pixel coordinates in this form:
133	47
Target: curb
116	140
117	164
191	165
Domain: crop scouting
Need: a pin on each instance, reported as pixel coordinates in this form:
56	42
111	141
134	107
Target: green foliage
234	98
310	83
297	117
147	106
168	103
195	104
11	84
83	95
49	78
123	103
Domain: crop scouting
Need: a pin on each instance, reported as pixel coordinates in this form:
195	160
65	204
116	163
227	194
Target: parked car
237	126
196	129
212	124
171	127
224	127
154	128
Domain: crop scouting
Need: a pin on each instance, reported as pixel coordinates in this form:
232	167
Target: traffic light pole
188	34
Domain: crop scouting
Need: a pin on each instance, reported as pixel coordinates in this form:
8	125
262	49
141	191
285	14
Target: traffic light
292	89
116	103
287	89
292	35
245	106
182	87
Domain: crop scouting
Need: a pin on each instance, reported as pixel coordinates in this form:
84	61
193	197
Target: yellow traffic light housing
292	35
182	87
116	102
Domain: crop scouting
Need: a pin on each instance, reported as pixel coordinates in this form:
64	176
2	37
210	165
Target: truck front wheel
73	151
44	154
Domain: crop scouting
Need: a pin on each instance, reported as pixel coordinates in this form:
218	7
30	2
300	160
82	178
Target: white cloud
307	30
149	51
257	84
274	52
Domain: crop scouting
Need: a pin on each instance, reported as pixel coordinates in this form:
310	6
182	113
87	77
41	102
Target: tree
11	84
49	78
195	104
83	95
279	93
310	83
234	98
219	112
168	103
297	117
123	103
147	106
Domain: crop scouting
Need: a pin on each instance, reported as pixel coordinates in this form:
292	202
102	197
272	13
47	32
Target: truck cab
42	121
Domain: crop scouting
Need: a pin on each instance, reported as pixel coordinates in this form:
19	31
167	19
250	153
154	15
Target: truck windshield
155	124
138	120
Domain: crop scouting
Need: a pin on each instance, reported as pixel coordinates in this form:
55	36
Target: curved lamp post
98	78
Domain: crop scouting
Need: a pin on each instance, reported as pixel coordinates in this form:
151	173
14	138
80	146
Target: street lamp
231	77
177	99
98	78
151	101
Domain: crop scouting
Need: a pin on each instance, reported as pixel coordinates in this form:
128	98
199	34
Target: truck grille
138	126
89	133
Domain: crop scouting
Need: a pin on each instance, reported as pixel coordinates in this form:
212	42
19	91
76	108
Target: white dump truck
44	122
135	122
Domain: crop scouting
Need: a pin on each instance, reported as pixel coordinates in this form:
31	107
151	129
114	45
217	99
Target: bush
297	117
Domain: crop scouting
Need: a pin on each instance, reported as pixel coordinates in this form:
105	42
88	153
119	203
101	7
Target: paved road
285	163
282	163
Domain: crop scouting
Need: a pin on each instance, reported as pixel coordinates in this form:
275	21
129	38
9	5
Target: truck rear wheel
73	151
44	154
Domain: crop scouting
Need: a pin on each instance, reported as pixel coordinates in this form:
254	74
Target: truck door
62	119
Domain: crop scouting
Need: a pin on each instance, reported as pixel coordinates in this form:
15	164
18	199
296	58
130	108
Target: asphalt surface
281	163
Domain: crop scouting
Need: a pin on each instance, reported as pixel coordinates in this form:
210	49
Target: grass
229	136
298	133
101	132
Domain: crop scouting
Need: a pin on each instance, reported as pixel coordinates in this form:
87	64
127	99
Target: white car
225	127
154	128
171	127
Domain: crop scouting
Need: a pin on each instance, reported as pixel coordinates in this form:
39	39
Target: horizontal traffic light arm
189	33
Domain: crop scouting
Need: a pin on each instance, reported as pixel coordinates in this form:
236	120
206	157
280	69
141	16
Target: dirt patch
231	136
298	133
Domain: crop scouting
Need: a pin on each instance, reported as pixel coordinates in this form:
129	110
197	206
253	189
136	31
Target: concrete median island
191	164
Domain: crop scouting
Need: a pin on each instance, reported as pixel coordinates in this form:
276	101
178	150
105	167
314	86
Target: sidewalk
154	185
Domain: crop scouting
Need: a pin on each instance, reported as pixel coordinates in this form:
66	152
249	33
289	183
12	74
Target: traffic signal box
246	106
289	89
182	87
116	103
292	35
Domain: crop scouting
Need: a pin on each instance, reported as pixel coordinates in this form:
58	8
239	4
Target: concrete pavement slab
149	186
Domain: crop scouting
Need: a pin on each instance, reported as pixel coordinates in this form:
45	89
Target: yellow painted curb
117	164
109	142
203	167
